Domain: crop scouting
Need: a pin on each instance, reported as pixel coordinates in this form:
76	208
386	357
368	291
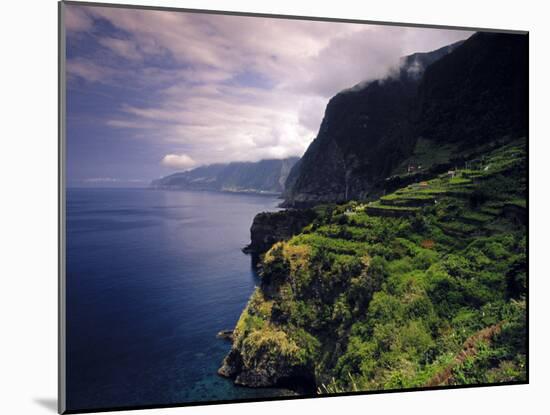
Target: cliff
271	227
455	98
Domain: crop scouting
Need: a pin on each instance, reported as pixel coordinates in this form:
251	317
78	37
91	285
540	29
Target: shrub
276	267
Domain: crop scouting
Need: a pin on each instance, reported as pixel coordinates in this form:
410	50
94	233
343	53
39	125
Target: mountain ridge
264	176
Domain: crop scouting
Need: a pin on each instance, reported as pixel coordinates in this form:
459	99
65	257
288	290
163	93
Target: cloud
110	180
77	19
218	88
124	48
178	161
88	70
100	180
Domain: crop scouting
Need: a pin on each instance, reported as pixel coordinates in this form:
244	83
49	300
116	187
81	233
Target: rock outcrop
271	227
262	369
269	357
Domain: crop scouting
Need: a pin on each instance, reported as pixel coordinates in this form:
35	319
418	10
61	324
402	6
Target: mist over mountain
459	96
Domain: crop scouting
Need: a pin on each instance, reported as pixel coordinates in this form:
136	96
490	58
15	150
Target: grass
427	153
476	217
457	227
522	203
458	181
397	209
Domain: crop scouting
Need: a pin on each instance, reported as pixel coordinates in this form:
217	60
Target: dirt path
469	349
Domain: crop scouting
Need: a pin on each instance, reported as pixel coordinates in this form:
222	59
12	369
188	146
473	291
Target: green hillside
424	287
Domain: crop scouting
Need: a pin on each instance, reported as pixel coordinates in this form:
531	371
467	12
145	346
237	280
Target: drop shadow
48	403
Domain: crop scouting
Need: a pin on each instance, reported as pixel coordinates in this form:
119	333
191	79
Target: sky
153	92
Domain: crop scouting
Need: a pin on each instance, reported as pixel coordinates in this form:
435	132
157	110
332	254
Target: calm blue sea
152	276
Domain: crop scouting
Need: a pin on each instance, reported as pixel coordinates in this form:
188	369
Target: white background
28	223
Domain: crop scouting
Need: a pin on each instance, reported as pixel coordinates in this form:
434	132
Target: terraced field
457	197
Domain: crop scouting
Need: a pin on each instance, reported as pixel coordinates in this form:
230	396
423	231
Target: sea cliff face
271	227
458	97
269	359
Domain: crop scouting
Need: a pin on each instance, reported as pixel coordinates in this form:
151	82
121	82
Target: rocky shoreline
267	371
257	368
225	335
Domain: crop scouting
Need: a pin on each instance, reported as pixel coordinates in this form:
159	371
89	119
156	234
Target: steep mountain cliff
477	93
264	176
462	95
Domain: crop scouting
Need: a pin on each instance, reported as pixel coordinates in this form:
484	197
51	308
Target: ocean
152	277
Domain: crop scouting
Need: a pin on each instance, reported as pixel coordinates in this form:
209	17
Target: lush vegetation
423	287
